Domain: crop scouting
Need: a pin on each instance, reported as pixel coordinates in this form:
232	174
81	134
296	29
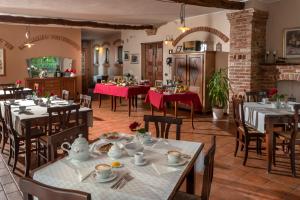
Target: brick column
247	48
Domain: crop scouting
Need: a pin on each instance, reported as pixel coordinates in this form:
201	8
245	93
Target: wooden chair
65	94
3	132
16	139
60	118
244	133
13	93
255	96
162	125
67	135
85	101
207	176
291	138
31	188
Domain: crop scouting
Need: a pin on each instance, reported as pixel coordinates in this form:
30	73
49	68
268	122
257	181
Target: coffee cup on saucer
139	158
174	157
103	171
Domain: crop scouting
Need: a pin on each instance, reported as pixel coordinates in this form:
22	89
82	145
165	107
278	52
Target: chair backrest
67	135
8	122
31	188
63	115
295	124
162	125
65	94
85	101
13	92
239	113
255	96
208	170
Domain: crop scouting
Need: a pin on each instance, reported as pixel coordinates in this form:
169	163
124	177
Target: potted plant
218	87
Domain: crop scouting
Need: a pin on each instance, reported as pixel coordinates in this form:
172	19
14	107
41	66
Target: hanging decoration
28	42
183	28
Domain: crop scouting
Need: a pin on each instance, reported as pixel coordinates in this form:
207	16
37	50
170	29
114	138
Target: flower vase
48	102
17	85
278	104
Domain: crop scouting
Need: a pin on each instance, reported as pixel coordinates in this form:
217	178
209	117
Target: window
120	55
106	55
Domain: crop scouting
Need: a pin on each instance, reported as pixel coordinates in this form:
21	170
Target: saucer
180	163
104	180
139	164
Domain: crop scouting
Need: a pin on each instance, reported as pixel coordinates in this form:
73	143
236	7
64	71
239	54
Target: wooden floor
231	180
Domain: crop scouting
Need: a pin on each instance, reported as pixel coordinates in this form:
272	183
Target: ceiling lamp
28	38
169	40
183	28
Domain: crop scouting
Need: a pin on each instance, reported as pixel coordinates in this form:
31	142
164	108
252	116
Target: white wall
133	39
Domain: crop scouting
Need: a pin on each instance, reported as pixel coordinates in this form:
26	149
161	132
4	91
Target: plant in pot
218	87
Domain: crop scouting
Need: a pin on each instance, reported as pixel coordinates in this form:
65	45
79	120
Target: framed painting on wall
291	43
126	55
134	59
2	62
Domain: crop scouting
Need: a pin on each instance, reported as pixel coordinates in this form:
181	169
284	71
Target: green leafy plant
218	87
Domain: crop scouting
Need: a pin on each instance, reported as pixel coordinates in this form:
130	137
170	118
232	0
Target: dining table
154	180
263	117
130	93
25	92
159	100
38	115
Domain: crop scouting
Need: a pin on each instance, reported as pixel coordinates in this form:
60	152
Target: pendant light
169	39
182	28
27	43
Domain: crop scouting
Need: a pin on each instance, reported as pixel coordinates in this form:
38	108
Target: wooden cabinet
195	70
55	85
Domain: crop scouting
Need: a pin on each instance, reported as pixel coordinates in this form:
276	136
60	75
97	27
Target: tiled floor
231	180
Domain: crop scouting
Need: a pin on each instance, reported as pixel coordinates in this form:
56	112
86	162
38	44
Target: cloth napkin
160	169
83	173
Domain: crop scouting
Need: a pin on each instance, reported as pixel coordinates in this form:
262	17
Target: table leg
27	148
132	101
269	140
152	110
115	104
192	114
129	106
136	99
190	181
175	107
112	103
99	100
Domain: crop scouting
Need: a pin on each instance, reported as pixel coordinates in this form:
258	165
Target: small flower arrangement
18	83
273	93
49	94
135	127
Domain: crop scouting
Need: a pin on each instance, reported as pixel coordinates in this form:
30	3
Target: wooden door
87	65
153	54
180	68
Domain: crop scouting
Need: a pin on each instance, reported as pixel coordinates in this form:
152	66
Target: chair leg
292	157
10	152
16	154
4	141
257	145
237	143
246	150
274	151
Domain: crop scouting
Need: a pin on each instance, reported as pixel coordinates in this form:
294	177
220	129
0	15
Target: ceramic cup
22	108
139	157
174	157
265	100
103	171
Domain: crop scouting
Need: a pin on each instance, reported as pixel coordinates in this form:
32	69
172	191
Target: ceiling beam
225	4
65	22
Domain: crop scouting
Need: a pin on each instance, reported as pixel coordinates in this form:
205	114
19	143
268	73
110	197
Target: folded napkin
160	169
83	173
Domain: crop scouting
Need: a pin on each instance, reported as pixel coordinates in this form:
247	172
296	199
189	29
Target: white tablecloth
35	112
255	114
146	185
25	90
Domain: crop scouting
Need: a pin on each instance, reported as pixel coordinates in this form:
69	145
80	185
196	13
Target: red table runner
121	91
158	100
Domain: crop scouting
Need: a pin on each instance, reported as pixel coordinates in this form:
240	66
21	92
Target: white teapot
79	150
115	152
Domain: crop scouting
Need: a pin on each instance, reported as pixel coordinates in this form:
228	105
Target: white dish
145	162
113	176
181	162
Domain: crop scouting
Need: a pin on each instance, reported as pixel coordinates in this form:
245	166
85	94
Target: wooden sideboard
54	85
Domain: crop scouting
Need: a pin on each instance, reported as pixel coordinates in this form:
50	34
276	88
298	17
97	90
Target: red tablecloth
158	100
120	91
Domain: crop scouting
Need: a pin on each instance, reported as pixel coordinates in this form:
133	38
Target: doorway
152	61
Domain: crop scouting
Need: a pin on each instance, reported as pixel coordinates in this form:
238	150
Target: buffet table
159	100
130	93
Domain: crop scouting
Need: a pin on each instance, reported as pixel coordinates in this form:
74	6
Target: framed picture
134	59
2	62
291	43
178	49
126	55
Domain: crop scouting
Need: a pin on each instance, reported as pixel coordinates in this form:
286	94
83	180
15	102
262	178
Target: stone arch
6	44
61	38
203	29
